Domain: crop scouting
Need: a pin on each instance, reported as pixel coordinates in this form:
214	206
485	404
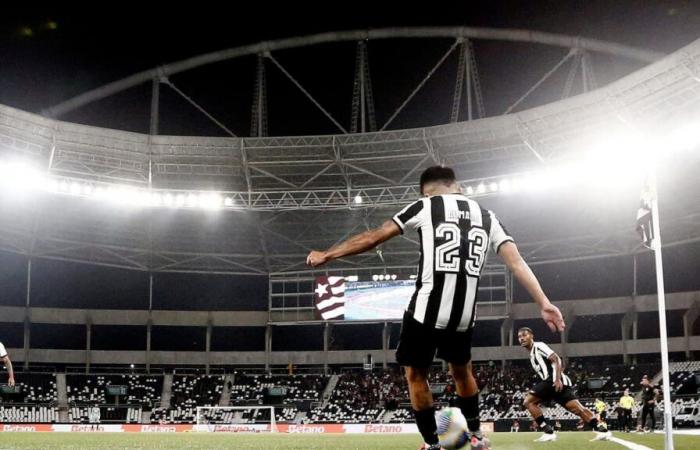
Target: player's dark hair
437	174
528	329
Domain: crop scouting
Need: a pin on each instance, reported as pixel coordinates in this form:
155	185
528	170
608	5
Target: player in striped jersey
554	385
455	233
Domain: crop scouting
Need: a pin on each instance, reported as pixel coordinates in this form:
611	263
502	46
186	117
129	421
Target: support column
207	346
27	315
88	344
634	276
326	340
570	316
149	325
385	345
506	337
155	104
268	347
635	334
627	324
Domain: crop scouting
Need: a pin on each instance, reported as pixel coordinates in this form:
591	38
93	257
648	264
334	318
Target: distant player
650	393
455	233
8	365
554	385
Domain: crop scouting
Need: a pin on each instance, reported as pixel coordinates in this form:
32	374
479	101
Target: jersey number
447	254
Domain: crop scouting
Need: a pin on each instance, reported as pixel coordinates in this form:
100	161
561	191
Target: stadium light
210	200
393	277
375	277
358	199
351	278
470	190
685	137
19	177
412	277
228	201
481	188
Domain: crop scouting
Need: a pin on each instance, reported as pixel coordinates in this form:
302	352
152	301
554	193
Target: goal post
236	419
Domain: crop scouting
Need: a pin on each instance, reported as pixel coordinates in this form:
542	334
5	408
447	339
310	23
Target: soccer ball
485	444
452	428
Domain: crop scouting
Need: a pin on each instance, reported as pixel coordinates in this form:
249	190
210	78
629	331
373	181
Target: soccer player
626	405
649	395
8	365
455	233
554	385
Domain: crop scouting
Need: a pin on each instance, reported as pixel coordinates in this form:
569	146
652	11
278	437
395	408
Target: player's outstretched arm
556	362
521	271
356	244
10	371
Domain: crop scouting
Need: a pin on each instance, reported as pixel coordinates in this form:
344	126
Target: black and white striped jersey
455	234
539	358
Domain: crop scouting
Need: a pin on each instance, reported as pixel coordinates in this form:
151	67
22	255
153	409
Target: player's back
455	233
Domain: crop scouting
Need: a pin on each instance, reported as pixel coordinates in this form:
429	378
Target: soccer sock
542	423
425	420
470	409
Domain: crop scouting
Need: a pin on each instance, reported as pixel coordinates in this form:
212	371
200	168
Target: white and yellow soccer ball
452	428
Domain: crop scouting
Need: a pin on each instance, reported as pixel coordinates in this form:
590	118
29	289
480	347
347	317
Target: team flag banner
329	298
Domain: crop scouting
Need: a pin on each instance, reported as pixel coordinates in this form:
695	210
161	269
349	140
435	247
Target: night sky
48	55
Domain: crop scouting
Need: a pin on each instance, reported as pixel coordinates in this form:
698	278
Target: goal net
236	419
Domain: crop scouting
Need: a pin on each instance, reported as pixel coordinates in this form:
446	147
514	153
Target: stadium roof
291	194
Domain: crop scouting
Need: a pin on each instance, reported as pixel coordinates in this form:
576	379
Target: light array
612	159
20	178
384	277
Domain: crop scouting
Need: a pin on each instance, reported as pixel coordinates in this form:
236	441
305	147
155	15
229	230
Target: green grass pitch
499	441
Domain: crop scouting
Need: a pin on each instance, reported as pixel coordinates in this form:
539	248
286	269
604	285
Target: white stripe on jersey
448	287
472	285
448	295
475	213
427	272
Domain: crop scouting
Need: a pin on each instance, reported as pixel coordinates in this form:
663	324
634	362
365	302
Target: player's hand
11	381
558	386
552	317
316	258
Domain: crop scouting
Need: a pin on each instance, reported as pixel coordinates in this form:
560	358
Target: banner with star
329	298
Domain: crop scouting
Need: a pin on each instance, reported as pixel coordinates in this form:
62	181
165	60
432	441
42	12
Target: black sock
542	423
425	420
470	409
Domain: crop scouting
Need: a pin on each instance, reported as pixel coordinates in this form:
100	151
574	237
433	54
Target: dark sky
50	54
